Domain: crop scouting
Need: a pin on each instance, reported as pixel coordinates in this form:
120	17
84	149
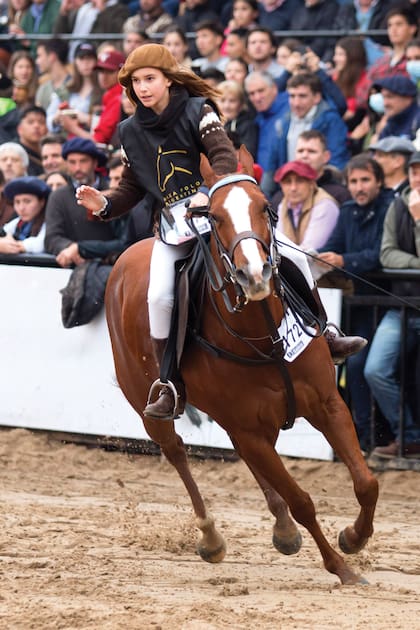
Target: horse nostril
266	272
242	278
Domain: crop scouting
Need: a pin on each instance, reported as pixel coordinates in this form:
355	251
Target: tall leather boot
164	407
339	344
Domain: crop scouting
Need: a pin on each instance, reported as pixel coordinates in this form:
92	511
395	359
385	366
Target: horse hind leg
211	547
261	456
287	539
337	426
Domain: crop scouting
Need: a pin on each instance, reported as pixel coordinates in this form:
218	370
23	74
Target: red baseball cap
111	60
300	168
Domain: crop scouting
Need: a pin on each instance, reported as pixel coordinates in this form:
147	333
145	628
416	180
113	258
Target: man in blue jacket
270	105
306	110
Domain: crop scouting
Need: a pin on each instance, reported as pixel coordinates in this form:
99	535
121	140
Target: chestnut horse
249	401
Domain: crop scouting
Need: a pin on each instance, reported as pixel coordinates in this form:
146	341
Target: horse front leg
335	422
211	546
261	456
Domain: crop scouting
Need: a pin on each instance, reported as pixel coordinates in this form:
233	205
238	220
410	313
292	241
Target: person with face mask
412	55
399	103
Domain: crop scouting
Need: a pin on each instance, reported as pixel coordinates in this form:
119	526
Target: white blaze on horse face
237	204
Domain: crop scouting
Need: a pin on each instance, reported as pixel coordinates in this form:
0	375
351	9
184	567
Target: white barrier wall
63	379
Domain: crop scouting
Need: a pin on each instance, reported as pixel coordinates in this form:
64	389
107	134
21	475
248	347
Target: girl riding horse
176	119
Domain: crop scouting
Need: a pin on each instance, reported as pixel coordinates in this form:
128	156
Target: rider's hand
199	199
92	199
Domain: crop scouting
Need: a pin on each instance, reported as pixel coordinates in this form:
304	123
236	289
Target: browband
231	179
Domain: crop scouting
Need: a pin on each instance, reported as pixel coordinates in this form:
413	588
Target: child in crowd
25	233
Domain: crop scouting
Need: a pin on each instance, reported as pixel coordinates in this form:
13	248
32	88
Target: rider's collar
231	179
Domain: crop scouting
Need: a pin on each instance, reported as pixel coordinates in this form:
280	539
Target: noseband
217	283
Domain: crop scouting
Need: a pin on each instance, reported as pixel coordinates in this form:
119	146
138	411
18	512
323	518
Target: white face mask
413	69
376	101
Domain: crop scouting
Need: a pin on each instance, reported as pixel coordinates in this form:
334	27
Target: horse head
239	216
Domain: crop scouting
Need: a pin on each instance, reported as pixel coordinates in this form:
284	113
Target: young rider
176	119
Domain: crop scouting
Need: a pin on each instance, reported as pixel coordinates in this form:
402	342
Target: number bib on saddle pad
173	227
295	339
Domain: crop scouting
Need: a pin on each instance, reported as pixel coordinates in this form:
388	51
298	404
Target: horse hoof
345	545
212	555
288	547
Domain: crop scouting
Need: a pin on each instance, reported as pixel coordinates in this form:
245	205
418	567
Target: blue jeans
382	369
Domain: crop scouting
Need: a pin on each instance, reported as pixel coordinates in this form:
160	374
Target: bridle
231	275
219	284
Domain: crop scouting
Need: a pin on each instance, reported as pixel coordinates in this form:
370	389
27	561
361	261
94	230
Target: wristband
103	211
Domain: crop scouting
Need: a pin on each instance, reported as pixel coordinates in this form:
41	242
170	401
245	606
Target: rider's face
151	87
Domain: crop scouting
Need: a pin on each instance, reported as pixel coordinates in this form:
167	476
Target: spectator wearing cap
393	154
354	246
401	111
307	214
26	232
151	18
32	127
399	250
84	91
108	65
70	235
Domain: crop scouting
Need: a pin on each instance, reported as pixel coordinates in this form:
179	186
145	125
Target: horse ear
209	176
246	160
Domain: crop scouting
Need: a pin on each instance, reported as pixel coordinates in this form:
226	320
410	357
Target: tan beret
147	56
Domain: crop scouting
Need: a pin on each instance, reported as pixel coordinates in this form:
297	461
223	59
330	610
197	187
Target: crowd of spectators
332	123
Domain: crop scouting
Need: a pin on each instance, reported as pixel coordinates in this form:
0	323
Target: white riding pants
160	296
290	250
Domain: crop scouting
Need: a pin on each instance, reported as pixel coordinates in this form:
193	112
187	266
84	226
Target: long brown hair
348	77
76	82
32	85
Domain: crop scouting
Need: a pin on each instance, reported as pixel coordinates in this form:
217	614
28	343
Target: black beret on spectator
86	146
27	185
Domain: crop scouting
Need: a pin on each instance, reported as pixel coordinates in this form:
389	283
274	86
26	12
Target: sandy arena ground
106	540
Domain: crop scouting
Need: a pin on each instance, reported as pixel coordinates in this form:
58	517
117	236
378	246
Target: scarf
166	120
23	230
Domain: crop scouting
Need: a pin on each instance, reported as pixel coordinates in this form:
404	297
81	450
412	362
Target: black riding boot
164	407
339	344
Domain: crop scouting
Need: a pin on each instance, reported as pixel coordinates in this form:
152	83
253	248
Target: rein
354	276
